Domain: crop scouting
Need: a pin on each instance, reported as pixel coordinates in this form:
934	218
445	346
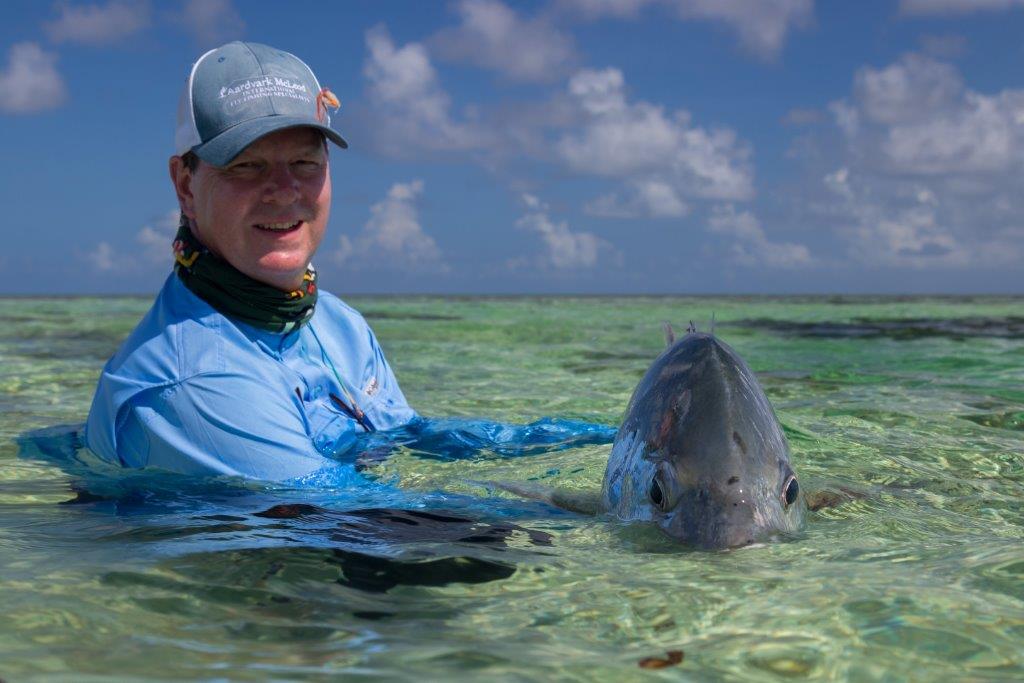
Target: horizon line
538	295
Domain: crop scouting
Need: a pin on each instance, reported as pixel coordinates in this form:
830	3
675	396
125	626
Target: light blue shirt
195	392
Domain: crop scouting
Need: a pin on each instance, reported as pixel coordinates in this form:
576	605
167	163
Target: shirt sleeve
219	424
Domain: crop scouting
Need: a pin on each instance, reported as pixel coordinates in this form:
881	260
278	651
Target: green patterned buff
237	295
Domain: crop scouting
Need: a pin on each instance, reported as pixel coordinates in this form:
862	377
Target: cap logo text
239	93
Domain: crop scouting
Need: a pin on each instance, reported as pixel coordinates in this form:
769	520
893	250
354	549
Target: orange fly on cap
324	99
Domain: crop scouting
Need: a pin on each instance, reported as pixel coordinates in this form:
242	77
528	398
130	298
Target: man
242	366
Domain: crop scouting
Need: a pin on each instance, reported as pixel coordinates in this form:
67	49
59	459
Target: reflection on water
400	564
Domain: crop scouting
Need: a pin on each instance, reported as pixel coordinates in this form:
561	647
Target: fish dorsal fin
670	334
692	329
712	323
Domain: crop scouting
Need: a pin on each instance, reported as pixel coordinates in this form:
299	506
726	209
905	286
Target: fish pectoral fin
581	502
831	497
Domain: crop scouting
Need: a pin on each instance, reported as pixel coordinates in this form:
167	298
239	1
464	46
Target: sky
555	146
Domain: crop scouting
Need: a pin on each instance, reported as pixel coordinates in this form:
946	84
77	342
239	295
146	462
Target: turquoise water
916	403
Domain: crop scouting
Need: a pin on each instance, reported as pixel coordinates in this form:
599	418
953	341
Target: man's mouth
279	227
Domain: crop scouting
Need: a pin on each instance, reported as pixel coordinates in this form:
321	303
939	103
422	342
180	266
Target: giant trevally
700	453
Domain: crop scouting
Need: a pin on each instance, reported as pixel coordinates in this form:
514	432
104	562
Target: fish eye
791	491
656	494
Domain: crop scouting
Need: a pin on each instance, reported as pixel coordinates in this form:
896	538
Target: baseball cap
239	92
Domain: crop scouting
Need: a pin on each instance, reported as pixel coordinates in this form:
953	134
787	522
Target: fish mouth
737	527
719	540
714	527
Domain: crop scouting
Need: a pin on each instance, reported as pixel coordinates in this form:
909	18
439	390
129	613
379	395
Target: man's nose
282	187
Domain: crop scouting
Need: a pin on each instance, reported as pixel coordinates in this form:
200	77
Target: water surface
916	402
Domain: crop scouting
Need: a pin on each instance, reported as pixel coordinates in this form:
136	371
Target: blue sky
567	146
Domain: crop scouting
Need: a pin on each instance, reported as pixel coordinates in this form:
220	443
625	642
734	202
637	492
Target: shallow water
917	403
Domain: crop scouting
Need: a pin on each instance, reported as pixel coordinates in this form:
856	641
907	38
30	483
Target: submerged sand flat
916	402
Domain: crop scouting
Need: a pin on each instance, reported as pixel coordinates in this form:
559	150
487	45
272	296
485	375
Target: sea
413	563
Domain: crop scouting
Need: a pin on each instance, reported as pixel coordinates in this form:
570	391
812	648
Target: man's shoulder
179	337
336	306
333	311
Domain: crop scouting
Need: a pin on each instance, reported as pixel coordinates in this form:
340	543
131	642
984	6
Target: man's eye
245	166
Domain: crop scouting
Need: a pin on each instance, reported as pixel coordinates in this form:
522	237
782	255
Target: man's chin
284	278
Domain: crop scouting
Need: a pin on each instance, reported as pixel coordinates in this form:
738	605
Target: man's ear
181	177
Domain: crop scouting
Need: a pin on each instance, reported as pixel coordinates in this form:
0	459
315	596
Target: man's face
266	211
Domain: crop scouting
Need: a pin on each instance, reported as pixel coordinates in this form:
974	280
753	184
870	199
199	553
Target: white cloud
153	242
155	239
907	224
983	135
924	7
98	24
913	236
928	178
533	202
838	182
30	82
492	36
846	117
393	237
901	233
660	156
645	199
103	258
909	237
900	92
641	143
761	25
916	116
412	110
751	247
564	249
212	22
596	9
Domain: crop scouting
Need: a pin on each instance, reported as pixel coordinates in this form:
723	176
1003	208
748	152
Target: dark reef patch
1006	327
1009	420
407	315
595	360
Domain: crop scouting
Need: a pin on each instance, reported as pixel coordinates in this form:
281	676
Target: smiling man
242	366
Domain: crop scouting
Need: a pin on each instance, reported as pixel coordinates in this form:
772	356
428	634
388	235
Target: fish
700	453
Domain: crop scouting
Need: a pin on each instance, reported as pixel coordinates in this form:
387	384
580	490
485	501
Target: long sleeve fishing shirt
195	392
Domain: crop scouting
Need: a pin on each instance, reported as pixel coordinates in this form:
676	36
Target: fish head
701	452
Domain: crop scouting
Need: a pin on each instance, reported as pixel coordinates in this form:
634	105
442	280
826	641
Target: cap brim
222	149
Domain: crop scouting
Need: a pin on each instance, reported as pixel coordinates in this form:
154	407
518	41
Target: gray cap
239	92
